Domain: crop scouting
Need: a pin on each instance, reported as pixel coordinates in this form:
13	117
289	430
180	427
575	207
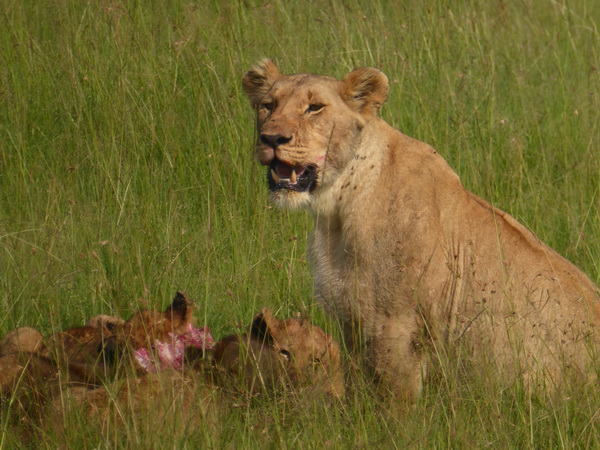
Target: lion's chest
334	277
363	272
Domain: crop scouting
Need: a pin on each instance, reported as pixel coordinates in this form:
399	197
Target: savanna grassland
127	173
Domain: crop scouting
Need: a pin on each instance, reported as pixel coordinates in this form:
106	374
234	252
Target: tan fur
275	352
32	366
78	351
70	341
106	324
147	326
411	262
82	345
24	339
272	355
84	354
170	401
34	370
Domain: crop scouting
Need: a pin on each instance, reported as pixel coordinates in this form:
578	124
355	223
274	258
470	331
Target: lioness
403	255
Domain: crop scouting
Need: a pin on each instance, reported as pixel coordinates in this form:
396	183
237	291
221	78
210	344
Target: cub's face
145	327
309	126
309	355
275	352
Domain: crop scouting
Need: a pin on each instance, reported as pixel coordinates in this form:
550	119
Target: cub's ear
266	327
365	90
181	307
258	80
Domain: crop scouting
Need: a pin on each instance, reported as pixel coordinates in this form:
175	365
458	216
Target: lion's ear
181	308
258	80
365	90
266	326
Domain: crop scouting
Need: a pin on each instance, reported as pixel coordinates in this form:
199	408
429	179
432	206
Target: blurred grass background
127	172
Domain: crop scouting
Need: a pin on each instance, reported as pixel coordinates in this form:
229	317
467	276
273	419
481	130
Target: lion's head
309	126
291	351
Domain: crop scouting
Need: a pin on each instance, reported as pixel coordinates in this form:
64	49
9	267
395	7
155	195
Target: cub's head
147	326
309	126
292	351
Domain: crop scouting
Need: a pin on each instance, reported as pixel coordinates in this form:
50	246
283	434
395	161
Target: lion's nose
274	140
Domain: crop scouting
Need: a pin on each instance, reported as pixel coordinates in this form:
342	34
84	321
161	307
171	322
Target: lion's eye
285	354
315	107
269	106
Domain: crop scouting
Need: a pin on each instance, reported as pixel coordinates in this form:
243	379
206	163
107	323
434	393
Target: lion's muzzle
284	176
274	140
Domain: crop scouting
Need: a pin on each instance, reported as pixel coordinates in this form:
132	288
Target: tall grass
126	173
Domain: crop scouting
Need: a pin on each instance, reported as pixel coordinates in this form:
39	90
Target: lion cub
78	351
275	353
146	327
33	368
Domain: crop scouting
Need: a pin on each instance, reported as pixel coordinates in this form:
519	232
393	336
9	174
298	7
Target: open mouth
283	176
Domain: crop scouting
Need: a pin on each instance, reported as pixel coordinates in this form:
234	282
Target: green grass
127	172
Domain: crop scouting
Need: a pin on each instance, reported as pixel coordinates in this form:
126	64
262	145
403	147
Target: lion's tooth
275	176
293	177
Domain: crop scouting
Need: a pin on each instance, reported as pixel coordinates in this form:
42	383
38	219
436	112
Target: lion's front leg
395	355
